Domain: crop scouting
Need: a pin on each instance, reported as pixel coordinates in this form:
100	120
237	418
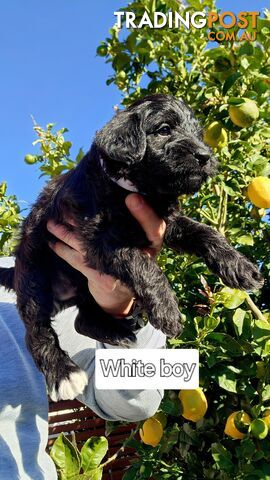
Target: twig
122	448
257	312
211	220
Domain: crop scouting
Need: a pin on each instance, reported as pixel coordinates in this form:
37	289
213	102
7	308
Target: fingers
65	235
153	226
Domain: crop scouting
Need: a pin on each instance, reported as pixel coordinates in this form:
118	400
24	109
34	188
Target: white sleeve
125	405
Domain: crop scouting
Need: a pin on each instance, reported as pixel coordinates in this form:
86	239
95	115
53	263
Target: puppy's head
157	144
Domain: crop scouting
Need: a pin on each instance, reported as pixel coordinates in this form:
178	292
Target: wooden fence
73	418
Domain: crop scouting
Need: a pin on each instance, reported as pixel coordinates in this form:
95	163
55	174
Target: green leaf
246	240
110	427
230	191
244	63
66	457
93	451
189	435
265	132
230	82
131	473
169	439
120	61
233	297
246	449
95	474
266	393
210	323
171	407
79	156
66	147
261	331
227	342
235	101
238	320
246	49
226	379
222	457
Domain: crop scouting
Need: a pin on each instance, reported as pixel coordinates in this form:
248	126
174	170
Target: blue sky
49	69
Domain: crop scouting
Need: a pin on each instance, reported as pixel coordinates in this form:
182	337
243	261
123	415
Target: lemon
102	50
260	369
259	192
259	428
30	159
266	417
151	432
215	135
244	114
257	213
194	404
122	75
230	428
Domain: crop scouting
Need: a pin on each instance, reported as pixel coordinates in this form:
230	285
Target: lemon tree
227	86
10	219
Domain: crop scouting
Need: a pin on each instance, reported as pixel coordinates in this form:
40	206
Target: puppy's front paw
107	330
167	318
69	387
236	271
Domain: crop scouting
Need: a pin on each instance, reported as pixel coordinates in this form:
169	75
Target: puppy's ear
123	138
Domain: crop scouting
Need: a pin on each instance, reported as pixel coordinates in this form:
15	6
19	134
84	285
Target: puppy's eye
164	130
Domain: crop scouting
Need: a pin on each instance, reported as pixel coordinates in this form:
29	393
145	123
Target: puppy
154	147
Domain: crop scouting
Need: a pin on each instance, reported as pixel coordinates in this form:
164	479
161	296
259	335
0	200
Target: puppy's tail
7	277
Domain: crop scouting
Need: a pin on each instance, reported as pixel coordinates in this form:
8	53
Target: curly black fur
157	145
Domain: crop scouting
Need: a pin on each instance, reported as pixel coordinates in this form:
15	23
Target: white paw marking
53	395
70	387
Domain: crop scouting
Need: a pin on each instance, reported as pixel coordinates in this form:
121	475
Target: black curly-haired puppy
153	147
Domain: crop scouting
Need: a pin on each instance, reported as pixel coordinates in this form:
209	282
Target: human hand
112	296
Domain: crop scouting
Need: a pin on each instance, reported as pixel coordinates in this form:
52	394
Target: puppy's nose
202	157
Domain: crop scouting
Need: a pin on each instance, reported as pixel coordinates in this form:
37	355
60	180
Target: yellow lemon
194	404
244	114
151	432
215	135
266	417
259	192
223	139
259	428
230	428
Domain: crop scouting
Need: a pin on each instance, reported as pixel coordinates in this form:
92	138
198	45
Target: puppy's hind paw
70	387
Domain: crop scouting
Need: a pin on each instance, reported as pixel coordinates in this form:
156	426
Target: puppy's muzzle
202	157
